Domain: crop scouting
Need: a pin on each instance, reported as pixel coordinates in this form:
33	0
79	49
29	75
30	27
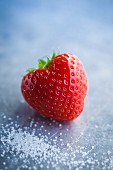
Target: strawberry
57	88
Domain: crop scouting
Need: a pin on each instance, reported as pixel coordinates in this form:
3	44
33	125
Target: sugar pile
32	147
28	145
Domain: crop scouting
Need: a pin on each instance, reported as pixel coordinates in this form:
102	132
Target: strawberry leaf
30	70
41	63
44	63
54	54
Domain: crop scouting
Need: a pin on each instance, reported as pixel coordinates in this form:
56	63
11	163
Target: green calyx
30	70
43	63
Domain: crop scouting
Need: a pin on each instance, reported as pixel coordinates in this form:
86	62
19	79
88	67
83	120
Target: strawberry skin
58	90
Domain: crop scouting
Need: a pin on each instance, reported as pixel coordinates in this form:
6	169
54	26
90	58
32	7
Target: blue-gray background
33	29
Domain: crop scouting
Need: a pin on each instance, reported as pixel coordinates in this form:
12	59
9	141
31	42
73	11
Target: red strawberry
57	88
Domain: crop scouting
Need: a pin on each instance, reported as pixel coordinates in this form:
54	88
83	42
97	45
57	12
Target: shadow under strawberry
27	116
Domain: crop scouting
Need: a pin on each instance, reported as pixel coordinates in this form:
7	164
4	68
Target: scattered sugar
22	101
4	163
4	116
60	125
9	118
23	145
109	152
35	148
93	147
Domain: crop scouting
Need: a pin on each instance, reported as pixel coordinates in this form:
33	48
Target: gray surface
30	30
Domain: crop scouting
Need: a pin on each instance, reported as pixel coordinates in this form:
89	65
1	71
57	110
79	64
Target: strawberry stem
43	63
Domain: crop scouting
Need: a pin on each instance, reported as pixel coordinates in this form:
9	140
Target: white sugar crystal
9	118
93	147
4	116
4	163
22	101
41	166
17	116
108	152
68	144
60	125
